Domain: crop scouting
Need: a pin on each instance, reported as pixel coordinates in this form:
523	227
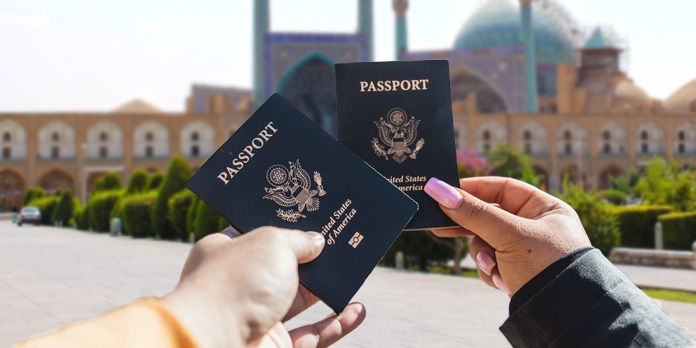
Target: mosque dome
497	24
683	99
626	93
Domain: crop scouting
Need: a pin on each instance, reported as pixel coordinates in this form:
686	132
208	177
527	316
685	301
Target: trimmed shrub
614	197
47	206
154	182
177	212
191	215
597	218
637	224
32	194
174	181
101	204
678	230
82	218
137	183
65	209
110	181
206	221
136	214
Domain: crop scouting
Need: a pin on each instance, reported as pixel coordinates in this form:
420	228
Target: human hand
518	230
236	292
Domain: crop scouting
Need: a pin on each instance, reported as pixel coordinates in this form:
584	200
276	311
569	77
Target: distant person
531	245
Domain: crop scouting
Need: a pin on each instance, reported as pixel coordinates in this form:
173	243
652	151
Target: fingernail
500	283
317	238
443	193
485	261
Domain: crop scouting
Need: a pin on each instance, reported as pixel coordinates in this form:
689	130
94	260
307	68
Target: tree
599	221
663	183
206	221
137	182
110	181
506	160
174	181
178	207
65	210
191	215
154	182
33	193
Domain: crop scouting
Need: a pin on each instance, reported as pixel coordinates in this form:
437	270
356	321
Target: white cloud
22	21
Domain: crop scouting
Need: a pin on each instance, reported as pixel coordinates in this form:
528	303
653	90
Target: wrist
210	326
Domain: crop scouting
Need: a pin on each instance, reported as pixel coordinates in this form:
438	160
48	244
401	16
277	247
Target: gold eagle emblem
291	187
396	135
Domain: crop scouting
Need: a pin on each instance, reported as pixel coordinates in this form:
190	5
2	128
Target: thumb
305	245
493	224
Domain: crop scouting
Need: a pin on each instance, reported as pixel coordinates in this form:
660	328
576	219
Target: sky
93	55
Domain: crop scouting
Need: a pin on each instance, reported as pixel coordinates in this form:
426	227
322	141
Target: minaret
365	24
261	27
530	75
400	8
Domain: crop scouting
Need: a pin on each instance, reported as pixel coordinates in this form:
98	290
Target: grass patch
671	295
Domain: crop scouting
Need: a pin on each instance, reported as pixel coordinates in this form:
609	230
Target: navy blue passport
397	116
281	169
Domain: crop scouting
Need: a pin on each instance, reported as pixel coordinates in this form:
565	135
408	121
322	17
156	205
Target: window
681	148
606	148
527	135
6	152
644	148
692	107
103	136
195	151
486	135
194	136
527	148
149	151
55	136
681	135
149	136
643	135
567	135
568	148
606	135
7	137
55	152
103	152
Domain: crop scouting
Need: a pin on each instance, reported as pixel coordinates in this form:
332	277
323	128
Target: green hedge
82	218
136	214
597	218
101	204
154	182
637	224
32	194
177	212
615	197
678	230
46	206
207	220
137	183
191	214
174	181
65	209
109	182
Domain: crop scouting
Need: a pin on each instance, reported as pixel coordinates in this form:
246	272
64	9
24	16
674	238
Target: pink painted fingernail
485	262
443	193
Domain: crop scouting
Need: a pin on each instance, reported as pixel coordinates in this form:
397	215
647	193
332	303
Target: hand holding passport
280	169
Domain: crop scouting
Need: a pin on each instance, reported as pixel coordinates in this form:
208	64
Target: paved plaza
51	276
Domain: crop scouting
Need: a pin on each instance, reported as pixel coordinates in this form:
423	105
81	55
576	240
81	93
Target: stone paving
51	276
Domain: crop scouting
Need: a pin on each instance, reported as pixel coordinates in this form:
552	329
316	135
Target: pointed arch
12	189
56	180
489	98
13	140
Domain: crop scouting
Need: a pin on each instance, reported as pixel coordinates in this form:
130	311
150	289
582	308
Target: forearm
145	323
588	302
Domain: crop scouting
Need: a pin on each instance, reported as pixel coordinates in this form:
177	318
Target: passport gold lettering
394	85
247	153
345	213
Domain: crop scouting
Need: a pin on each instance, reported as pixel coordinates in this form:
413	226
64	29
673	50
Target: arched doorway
571	174
12	189
609	172
488	98
310	85
56	180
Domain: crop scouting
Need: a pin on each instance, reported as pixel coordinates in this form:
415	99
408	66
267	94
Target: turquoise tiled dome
497	24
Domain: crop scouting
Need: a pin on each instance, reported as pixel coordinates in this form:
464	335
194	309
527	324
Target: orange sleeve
145	323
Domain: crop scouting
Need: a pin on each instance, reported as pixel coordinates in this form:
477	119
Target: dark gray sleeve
590	303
